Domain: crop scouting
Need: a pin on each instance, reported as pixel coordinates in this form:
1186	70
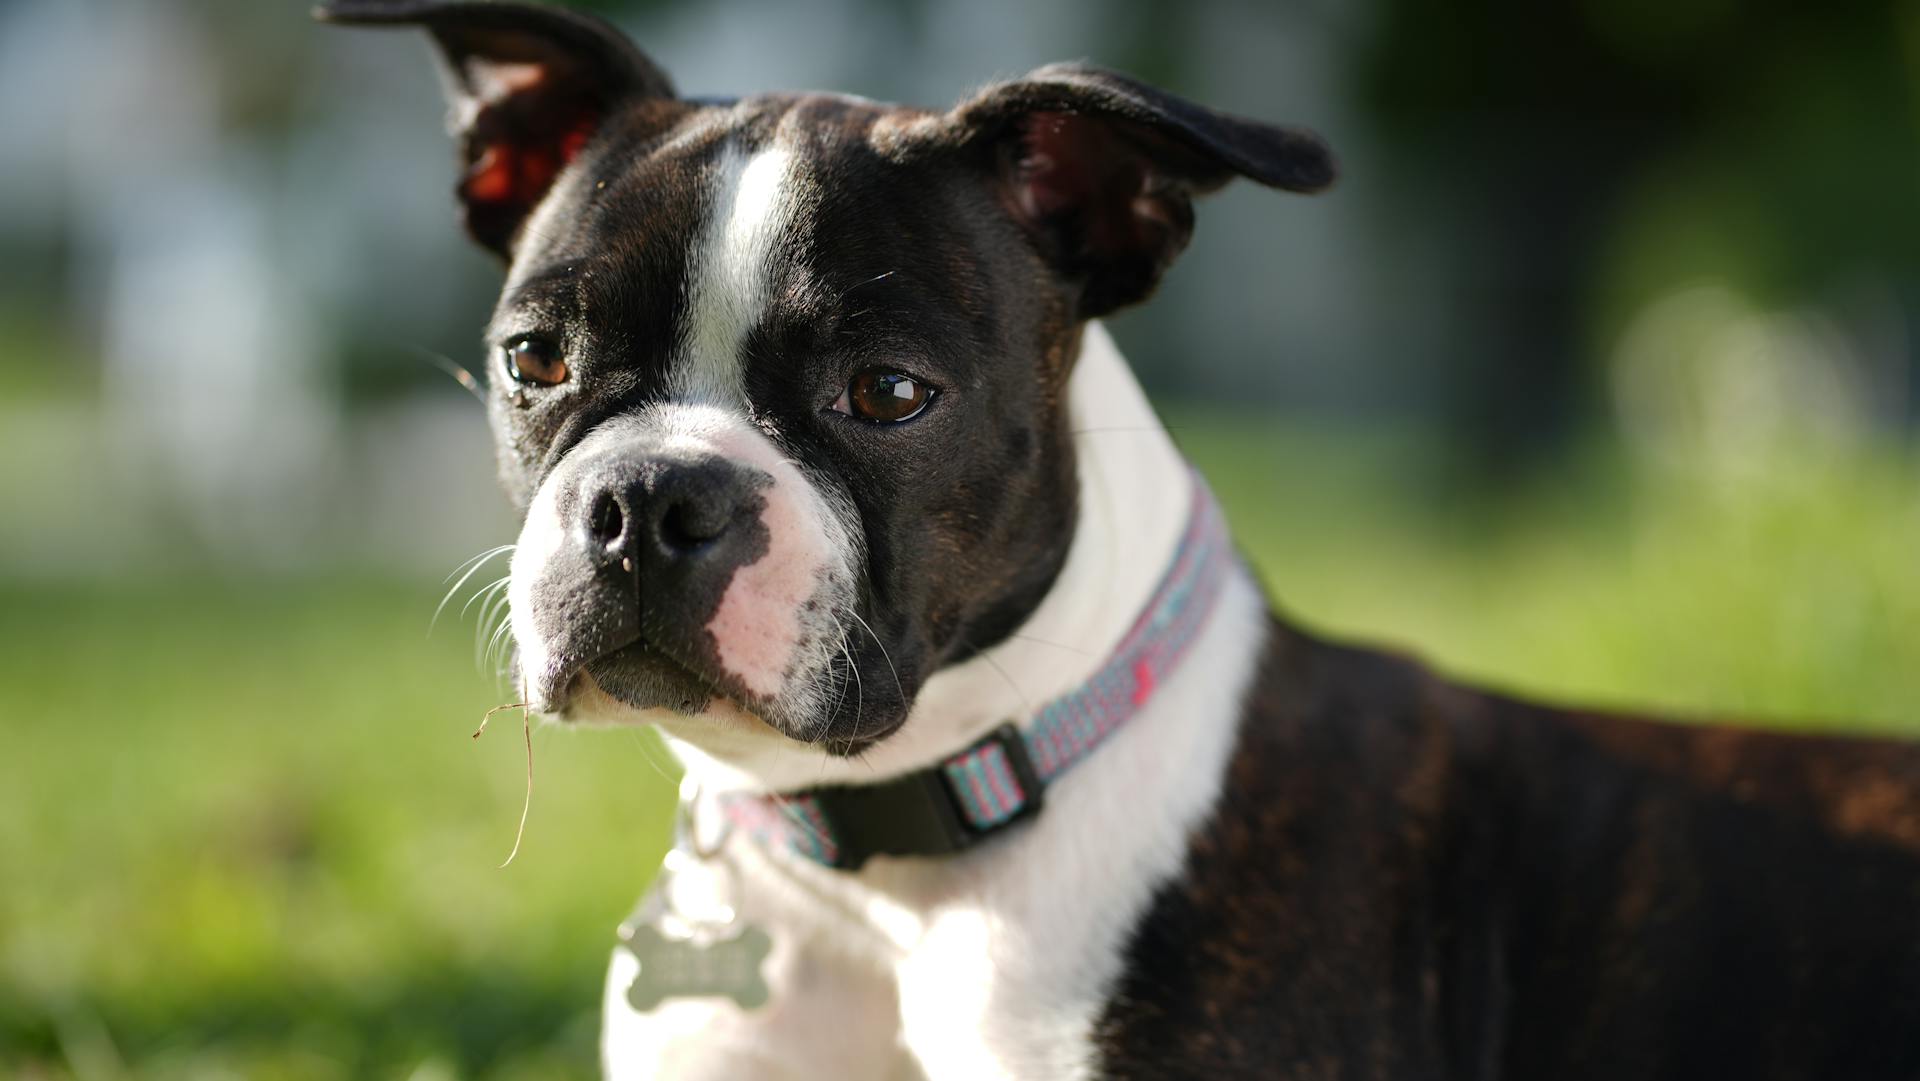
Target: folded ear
528	88
1101	170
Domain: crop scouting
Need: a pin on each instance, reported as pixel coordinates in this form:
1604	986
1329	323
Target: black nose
662	512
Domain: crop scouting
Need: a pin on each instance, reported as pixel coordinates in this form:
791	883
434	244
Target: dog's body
1308	860
829	472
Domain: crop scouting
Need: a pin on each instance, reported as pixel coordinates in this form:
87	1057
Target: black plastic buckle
919	814
1014	744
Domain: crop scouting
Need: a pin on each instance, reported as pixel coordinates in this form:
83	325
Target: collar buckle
1012	743
930	812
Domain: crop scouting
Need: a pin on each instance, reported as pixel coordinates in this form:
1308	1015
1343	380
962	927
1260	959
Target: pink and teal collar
999	780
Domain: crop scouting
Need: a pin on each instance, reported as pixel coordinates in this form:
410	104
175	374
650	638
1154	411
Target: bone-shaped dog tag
687	933
675	967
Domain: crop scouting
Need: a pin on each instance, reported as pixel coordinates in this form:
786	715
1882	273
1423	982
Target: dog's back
1407	879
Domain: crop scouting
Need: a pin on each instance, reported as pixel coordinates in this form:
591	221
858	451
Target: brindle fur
1408	879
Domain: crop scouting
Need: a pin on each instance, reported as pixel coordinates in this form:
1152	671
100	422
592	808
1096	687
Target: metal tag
689	968
687	933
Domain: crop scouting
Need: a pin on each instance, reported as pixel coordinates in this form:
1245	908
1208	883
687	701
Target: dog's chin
642	684
641	677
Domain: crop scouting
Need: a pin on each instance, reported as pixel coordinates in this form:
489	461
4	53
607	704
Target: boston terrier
998	763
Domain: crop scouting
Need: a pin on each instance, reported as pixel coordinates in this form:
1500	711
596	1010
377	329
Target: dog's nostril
688	524
606	521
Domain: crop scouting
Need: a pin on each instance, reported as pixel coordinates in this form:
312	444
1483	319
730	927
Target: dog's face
779	383
791	461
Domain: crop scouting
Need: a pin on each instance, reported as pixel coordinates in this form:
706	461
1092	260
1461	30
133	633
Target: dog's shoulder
1299	930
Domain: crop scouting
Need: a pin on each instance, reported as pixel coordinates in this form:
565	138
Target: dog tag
689	968
688	936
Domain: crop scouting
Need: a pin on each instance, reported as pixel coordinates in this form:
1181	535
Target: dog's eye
883	397
530	360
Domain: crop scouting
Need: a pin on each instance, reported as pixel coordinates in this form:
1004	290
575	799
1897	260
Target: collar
1000	780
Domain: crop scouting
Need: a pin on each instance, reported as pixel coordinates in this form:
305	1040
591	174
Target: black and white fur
1298	860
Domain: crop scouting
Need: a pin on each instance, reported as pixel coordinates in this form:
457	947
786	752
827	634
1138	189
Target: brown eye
530	360
883	397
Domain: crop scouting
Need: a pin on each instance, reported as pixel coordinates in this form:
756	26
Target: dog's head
779	382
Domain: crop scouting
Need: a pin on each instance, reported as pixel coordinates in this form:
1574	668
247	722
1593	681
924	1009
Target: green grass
247	834
256	841
1788	596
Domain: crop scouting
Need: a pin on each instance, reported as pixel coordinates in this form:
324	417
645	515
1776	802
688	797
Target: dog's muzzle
649	543
675	556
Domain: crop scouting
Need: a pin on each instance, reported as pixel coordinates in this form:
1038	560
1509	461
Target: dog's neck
1134	493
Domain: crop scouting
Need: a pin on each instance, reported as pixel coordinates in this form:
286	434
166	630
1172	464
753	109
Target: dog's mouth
645	677
639	674
646	681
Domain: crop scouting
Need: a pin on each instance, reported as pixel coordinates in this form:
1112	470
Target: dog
999	764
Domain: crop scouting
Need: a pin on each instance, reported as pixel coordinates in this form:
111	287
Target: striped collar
999	780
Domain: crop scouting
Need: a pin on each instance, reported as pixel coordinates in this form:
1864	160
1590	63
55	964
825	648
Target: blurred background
1596	378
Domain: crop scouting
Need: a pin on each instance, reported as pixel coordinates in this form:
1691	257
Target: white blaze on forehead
732	271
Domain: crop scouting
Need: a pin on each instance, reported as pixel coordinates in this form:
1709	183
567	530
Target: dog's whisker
453	368
496	609
863	284
491	659
471	560
822	724
490	590
1124	428
646	752
1026	703
499	638
859	693
882	646
851	680
496	642
492	613
1055	645
472	568
840	694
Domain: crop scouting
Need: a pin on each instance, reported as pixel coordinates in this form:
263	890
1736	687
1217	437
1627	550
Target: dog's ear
1101	170
527	85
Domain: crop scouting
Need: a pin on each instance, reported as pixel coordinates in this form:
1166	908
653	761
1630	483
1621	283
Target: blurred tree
1531	136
